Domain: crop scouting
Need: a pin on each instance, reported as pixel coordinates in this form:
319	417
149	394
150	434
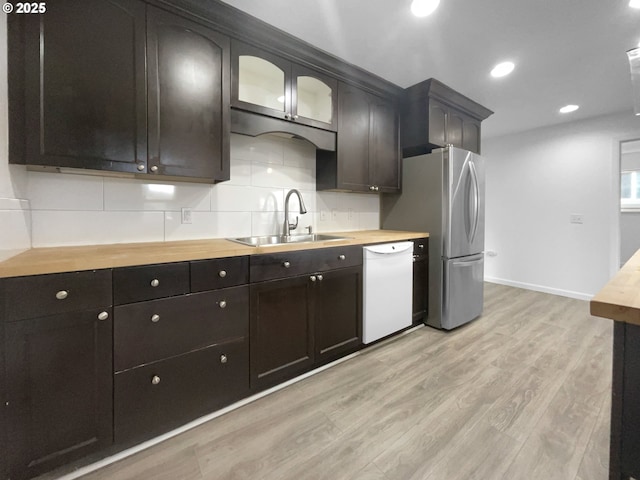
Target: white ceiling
566	51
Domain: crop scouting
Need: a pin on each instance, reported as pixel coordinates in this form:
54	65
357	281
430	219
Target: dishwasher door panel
462	290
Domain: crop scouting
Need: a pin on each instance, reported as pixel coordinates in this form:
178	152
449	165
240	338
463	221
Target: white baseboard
540	288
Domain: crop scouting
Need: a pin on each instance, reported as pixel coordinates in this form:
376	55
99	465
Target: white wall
629	235
15	222
535	180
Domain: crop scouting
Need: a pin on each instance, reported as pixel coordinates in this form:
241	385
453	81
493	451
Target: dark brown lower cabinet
299	323
338	313
281	330
154	398
59	390
420	303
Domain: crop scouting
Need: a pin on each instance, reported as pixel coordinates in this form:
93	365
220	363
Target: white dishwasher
387	289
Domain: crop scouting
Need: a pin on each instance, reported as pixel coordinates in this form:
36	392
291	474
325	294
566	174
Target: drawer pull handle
421	246
222	273
155	282
313	278
103	315
140	167
155	380
222	304
223	359
154	168
62	294
320	278
155	318
342	257
286	264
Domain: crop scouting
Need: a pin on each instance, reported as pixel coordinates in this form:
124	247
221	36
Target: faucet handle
295	225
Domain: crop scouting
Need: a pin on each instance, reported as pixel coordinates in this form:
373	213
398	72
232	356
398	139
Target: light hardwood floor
521	393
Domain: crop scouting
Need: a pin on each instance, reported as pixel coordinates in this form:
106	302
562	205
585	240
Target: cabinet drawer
135	284
338	257
280	265
149	331
156	398
42	295
219	273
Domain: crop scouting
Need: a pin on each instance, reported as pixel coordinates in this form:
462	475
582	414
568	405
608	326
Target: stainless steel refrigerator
443	194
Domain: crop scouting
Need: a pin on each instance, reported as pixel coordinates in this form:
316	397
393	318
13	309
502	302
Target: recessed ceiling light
634	3
422	8
502	69
569	108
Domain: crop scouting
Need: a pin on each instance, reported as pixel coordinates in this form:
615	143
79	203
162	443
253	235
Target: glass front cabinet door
270	85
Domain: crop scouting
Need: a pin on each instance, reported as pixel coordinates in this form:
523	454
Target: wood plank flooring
521	393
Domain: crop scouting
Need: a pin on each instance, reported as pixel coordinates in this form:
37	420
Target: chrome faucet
286	230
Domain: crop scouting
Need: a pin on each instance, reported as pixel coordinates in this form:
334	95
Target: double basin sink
267	240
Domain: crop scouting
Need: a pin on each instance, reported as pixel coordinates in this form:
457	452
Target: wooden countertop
39	261
619	300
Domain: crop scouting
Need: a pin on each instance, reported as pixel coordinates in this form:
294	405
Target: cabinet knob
140	167
320	277
371	188
286	264
222	304
222	273
341	257
155	318
223	359
155	380
313	278
421	246
295	117
376	188
287	116
155	282
62	294
154	168
103	315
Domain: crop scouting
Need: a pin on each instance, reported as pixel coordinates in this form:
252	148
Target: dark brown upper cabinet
434	115
188	68
129	88
270	85
368	148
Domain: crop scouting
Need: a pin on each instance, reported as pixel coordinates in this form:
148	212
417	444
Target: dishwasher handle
389	248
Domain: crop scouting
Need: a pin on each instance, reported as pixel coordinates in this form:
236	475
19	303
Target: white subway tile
56	228
63	191
207	225
236	198
264	175
299	153
122	194
368	221
14	204
267	223
240	172
264	148
15	234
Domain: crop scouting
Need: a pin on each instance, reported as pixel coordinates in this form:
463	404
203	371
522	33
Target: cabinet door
59	389
338	313
314	97
261	82
85	93
437	123
384	160
281	330
353	138
189	125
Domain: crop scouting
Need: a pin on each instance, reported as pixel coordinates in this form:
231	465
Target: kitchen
66	208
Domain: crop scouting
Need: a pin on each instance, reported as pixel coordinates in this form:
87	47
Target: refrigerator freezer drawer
462	290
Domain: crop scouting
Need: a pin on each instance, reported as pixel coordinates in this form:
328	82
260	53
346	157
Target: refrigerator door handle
476	201
468	263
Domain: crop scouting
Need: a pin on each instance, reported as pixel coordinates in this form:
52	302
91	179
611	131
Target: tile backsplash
69	209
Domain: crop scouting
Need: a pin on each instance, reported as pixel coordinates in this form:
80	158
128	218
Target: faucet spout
287	227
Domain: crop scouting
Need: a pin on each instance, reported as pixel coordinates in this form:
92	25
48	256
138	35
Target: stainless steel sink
267	240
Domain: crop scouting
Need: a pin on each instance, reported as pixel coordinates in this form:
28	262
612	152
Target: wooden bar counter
619	300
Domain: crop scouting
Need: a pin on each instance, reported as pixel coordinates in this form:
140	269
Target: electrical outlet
187	216
324	215
350	214
334	214
576	218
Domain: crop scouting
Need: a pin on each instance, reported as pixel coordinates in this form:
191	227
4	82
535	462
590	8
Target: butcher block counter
619	300
39	261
